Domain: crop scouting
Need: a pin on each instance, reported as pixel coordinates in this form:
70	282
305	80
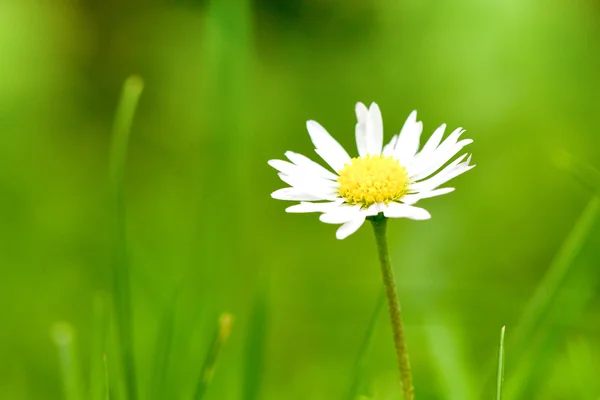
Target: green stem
379	227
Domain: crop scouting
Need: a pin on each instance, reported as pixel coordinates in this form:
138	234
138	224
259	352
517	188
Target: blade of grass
101	321
64	339
583	172
453	371
106	379
529	379
553	280
583	368
208	369
164	340
559	270
132	89
255	347
364	347
500	378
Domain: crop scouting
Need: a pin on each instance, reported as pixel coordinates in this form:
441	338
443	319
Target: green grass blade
100	332
130	95
164	340
64	339
106	379
553	280
208	369
523	339
535	350
448	361
583	367
557	273
500	378
583	172
364	347
255	348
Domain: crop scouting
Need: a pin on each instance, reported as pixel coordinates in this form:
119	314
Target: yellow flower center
372	179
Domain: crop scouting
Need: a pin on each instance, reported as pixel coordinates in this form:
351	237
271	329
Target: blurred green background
228	86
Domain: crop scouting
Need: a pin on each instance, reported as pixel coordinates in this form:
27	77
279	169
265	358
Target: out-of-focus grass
500	372
132	89
229	87
64	339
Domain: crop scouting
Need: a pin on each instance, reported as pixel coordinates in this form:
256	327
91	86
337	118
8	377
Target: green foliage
100	229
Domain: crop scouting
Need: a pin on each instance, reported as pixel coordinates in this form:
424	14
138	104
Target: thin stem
379	227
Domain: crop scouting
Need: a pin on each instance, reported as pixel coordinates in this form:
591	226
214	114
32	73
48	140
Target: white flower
387	180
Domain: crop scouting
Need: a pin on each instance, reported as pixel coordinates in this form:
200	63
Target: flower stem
379	227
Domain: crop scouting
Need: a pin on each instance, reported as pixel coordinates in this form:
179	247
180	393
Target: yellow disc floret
372	179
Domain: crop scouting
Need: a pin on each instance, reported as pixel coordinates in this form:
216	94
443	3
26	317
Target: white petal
388	149
298	195
310	183
283	166
362	114
340	215
448	149
422	158
408	140
306	207
310	165
435	139
451	171
374	130
413	198
327	147
350	227
397	210
374	209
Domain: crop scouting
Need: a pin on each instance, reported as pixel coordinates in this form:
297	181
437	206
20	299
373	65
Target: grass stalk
549	288
106	378
500	376
164	340
208	369
132	89
255	348
64	339
100	334
364	347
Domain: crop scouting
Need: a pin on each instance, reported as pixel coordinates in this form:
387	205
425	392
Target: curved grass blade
208	369
132	89
500	377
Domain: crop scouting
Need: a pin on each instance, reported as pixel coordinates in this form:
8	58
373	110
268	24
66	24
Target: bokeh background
229	85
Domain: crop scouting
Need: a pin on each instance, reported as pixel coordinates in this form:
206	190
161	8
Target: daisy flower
382	181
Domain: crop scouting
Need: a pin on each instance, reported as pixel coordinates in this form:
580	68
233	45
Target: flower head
382	180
